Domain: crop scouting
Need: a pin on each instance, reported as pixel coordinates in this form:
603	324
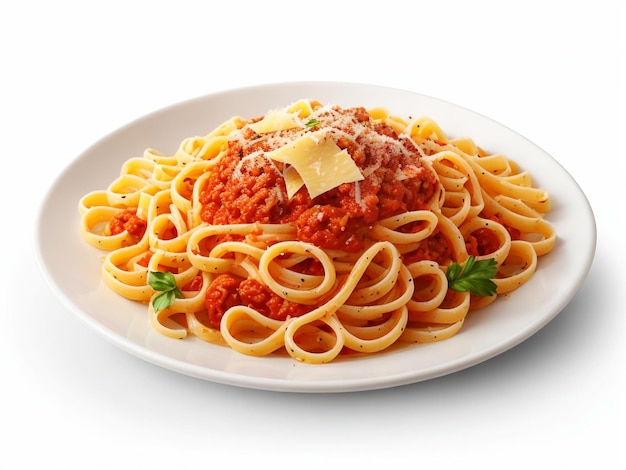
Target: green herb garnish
313	123
165	283
474	276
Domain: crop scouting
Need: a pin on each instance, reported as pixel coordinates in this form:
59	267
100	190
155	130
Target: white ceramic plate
73	268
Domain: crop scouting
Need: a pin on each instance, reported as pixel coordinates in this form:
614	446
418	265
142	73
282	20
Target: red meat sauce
483	241
127	219
227	291
248	187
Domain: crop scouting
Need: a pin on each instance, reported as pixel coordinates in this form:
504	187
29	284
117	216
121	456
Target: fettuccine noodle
316	230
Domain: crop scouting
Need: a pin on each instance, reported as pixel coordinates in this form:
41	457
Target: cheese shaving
319	163
280	120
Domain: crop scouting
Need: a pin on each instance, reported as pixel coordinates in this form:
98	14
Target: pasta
316	231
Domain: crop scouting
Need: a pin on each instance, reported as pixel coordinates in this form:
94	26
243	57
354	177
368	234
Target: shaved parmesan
280	120
319	162
293	182
302	108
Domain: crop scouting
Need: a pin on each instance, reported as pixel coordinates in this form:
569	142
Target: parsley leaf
163	300
166	284
313	123
474	276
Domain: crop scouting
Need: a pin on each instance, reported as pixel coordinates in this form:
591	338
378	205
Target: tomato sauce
248	187
227	291
483	241
127	219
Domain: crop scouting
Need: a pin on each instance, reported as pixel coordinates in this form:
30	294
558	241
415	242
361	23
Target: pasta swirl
316	231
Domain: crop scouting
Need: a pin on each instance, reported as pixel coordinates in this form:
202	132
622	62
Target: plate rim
268	383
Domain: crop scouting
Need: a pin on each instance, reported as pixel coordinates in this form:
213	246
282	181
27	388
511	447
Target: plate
486	333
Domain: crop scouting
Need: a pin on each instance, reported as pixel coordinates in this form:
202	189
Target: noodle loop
316	231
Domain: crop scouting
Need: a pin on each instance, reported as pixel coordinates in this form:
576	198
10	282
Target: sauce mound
249	187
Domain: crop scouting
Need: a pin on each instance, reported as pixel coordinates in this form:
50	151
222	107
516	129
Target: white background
72	73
